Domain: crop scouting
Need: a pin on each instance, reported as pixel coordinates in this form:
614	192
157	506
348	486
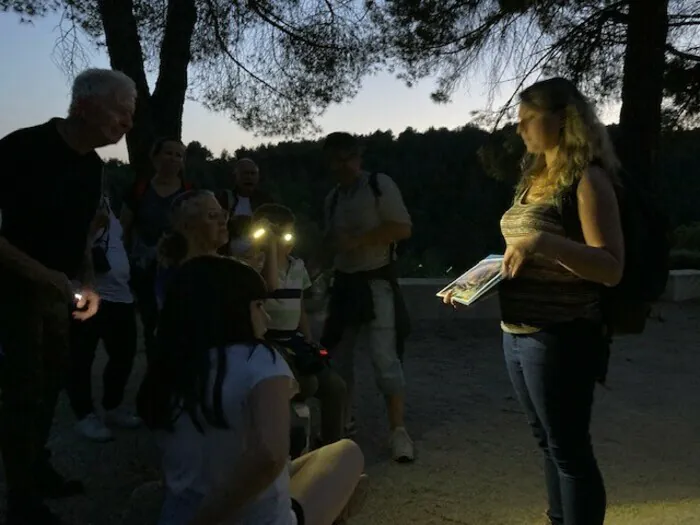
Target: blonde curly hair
584	139
173	246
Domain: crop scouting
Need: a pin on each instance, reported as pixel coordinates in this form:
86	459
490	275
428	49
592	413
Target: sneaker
401	446
92	427
52	485
31	515
122	418
356	502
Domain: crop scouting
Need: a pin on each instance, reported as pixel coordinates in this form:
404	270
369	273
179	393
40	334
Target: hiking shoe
356	502
401	446
122	418
31	515
52	485
92	427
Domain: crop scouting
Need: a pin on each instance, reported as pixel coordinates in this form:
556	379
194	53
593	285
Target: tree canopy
273	66
655	41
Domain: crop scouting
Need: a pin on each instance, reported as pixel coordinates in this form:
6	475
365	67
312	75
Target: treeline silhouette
456	184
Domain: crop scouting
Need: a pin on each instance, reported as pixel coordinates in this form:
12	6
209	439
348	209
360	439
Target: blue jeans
179	509
554	373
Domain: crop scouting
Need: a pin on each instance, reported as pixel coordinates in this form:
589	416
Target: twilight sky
33	89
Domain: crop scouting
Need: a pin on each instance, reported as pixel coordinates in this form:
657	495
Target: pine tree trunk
642	88
158	114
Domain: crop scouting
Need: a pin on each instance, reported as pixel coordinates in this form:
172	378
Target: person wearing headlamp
287	279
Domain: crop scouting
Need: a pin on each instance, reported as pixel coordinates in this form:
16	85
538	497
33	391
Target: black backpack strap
377	191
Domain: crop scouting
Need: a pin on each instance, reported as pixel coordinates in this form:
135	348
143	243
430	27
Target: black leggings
115	325
143	282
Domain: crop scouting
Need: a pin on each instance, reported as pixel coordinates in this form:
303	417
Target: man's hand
87	305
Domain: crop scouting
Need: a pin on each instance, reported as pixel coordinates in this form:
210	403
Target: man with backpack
365	218
241	201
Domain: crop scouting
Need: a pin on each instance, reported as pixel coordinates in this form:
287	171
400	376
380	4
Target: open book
477	283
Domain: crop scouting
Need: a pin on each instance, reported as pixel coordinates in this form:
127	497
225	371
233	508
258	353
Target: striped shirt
284	308
544	292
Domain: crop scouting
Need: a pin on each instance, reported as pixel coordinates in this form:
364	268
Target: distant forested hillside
456	185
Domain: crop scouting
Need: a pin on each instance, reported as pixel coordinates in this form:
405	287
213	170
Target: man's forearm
18	262
386	233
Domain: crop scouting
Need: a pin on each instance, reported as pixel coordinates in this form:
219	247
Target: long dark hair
207	306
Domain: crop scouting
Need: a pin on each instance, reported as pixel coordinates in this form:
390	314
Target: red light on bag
323	352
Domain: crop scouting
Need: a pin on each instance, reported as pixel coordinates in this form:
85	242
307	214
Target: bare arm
395	220
304	324
386	233
601	259
267	450
270	271
18	262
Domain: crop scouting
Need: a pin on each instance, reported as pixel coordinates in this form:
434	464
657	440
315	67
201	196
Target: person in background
365	218
287	280
241	201
199	227
217	397
145	217
115	325
554	338
50	190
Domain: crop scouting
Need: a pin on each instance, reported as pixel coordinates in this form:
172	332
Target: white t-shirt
200	462
243	207
285	313
113	286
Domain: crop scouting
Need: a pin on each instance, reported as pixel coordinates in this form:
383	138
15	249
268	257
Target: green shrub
685	259
687	237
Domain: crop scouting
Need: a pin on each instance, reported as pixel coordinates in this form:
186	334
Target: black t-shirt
49	194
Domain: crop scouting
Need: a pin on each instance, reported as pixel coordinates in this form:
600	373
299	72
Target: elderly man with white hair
50	189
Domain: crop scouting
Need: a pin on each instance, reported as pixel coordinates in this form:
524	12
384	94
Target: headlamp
259	233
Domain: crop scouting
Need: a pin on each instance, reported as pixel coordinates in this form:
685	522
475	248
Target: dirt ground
477	463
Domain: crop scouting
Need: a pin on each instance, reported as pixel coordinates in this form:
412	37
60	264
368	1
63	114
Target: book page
475	282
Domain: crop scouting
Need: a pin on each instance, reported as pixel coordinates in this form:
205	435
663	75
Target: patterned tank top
544	293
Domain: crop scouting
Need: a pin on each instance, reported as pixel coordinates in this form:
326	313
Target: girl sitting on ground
218	397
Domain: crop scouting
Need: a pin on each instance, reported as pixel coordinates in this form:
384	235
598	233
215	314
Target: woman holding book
554	338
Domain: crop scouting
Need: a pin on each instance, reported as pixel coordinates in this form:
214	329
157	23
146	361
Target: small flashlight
78	297
257	234
288	237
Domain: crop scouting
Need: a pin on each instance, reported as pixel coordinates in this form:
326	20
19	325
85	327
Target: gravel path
476	461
